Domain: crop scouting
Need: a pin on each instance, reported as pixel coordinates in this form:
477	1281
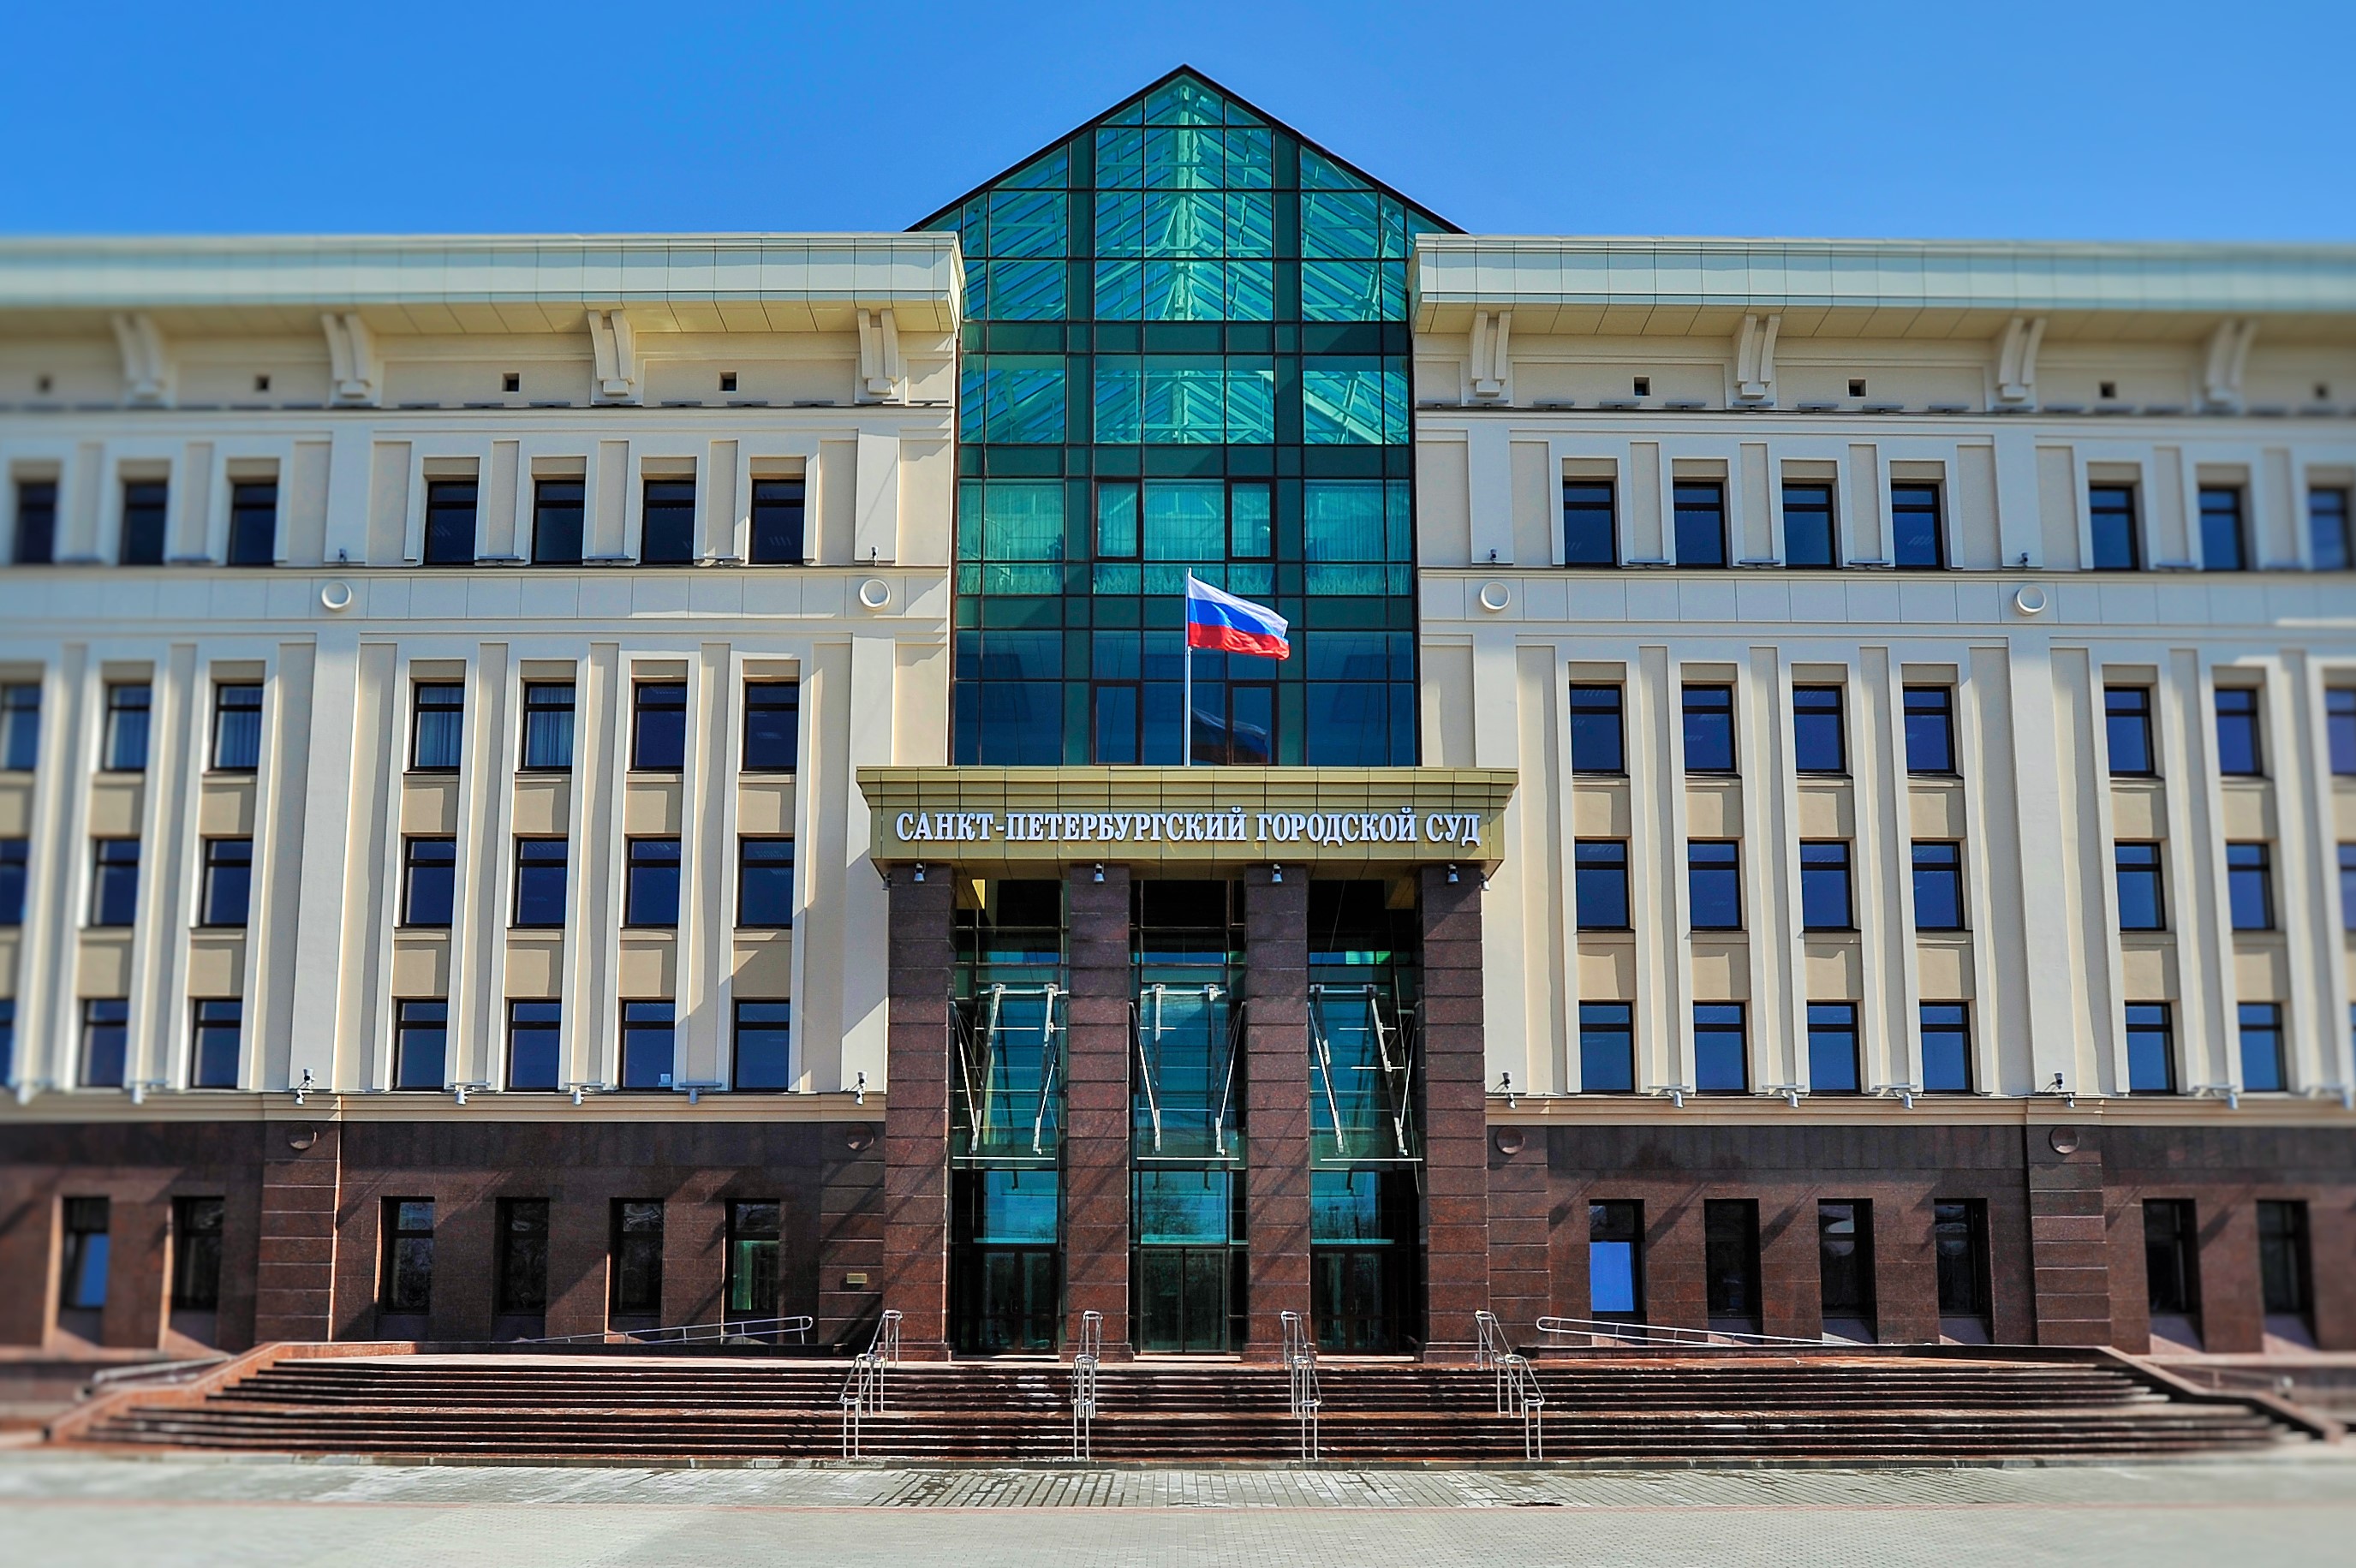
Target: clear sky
1939	118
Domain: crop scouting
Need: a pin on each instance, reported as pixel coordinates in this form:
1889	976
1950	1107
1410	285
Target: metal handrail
165	1372
723	1332
1489	1340
862	1389
1660	1333
1518	1394
1085	1360
1301	1370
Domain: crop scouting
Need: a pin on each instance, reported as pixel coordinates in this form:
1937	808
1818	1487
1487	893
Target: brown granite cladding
1456	1231
1275	1099
917	1115
2067	1255
851	1235
1096	1107
295	1279
1523	1262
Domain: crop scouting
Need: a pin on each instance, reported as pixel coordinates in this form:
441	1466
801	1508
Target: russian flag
1222	621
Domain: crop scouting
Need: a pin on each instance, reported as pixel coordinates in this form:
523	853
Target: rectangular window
1700	523
1930	730
1824	903
659	726
437	726
2126	720
227	895
1959	1244
237	727
523	1256
1917	541
548	726
2112	511
2286	1278
145	504
2141	906
114	882
539	879
1615	1260
1947	1048
421	1044
535	1045
2333	545
407	1282
1590	535
1607	1048
647	1041
105	1041
2239	754
1845	1262
764	1045
14	856
1596	743
2339	723
429	880
2151	1049
764	882
2262	1047
2347	883
1730	1261
650	885
82	1279
253	523
1809	536
773	716
2222	547
7	1039
1819	743
638	1258
756	1235
1709	729
450	522
20	727
1938	885
1832	1048
1721	1063
197	1225
777	522
37	522
2171	1258
668	535
125	749
215	1049
2249	884
558	509
1714	883
1599	884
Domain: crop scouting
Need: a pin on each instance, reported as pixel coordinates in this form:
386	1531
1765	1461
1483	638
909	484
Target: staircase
1690	1407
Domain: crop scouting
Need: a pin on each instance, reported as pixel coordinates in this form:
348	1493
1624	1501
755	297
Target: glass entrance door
1183	1294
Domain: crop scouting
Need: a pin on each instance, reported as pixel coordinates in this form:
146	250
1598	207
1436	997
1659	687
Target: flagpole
1186	651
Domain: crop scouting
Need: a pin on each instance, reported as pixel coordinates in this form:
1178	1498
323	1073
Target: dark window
548	726
1601	884
1930	730
647	1039
1947	1048
237	728
541	866
105	1041
197	1253
213	1054
145	507
1916	538
2127	718
1845	1259
777	522
1607	1048
754	1237
659	725
557	510
126	728
535	1045
2238	753
2249	884
1590	534
114	882
429	880
1596	743
1730	1260
1808	539
2339	721
450	522
2222	548
765	1041
773	713
1938	886
20	727
764	882
2327	530
2262	1046
1701	525
651	889
2151	1049
2285	1281
1959	1243
228	891
7	1039
2347	883
2113	509
1818	742
37	521
2170	1256
408	1278
253	523
1721	1064
437	733
421	1045
1709	729
15	852
667	538
1615	1260
2141	907
1714	883
1117	737
1825	886
524	1255
638	1258
82	1279
1832	1048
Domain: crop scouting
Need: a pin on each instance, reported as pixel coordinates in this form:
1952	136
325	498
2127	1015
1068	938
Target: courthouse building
556	784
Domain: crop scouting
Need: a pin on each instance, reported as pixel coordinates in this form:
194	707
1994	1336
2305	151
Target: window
2249	886
1930	730
437	730
2333	545
638	1258
1959	1244
2339	721
523	1256
547	726
1700	523
2141	907
105	1041
125	750
1730	1260
535	1045
764	882
197	1253
540	865
408	1277
650	888
1938	886
1825	886
1721	1064
668	535
2347	883
145	507
1607	1048
1916	538
20	728
557	512
1714	884
765	1040
777	522
421	1045
2170	1256
2151	1049
2238	753
253	523
450	522
1818	745
237	727
1845	1262
429	880
14	855
114	882
1709	729
659	726
7	1039
1832	1048
220	1031
1589	528
2112	511
1615	1280
82	1279
2262	1046
226	893
2285	1284
1947	1048
647	1044
2126	721
1596	742
773	713
37	521
1599	884
755	1233
2222	545
1808	539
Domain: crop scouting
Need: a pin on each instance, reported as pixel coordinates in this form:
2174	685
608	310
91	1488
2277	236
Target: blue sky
1986	120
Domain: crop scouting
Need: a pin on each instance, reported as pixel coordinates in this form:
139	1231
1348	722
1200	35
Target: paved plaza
58	1511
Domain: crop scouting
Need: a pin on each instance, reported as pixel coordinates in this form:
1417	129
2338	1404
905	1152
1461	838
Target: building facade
559	785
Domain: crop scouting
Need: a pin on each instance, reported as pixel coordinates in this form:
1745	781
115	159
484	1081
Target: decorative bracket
883	375
2015	362
358	372
621	376
2229	352
1490	367
1754	359
146	363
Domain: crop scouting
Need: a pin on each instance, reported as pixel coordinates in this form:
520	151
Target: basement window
727	380
512	382
1644	386
1856	387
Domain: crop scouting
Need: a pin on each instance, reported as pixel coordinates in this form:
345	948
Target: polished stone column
1096	1052
1455	1114
1276	1063
916	1113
